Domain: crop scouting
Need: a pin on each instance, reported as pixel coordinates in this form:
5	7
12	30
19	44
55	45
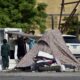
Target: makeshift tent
52	43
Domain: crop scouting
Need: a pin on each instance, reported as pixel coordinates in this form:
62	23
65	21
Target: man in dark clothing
5	50
21	48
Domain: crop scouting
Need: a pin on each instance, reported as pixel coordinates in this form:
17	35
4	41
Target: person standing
21	51
31	41
5	51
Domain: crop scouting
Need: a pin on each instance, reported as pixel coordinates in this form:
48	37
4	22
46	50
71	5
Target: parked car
73	44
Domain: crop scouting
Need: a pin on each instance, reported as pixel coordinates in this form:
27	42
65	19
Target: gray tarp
51	42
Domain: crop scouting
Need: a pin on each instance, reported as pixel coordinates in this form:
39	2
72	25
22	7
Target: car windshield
71	39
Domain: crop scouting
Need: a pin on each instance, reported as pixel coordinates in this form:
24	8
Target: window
1	35
71	39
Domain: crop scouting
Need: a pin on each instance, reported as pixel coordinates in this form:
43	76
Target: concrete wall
55	5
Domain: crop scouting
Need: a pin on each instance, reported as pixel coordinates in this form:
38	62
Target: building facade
53	10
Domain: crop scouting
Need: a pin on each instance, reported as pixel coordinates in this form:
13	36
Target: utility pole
52	21
62	7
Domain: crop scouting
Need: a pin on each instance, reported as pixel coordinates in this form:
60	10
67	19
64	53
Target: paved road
40	76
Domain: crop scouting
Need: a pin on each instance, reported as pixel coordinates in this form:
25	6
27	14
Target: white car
73	44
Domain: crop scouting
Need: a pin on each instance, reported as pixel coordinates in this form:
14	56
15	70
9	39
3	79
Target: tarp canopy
51	42
23	34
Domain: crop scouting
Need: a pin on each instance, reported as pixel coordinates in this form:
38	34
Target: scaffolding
71	14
